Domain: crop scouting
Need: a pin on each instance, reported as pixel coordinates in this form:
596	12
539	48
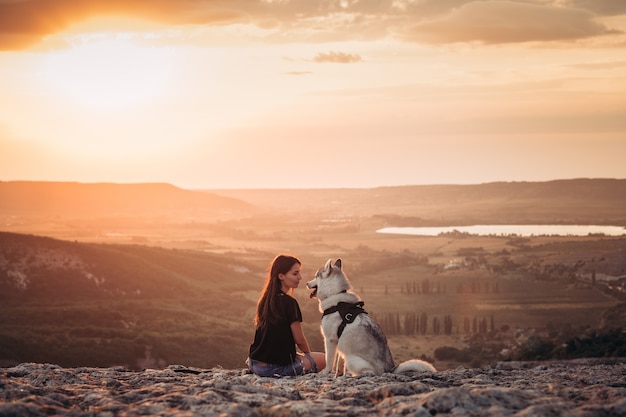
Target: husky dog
350	331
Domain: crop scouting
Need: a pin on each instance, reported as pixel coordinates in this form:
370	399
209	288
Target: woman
279	326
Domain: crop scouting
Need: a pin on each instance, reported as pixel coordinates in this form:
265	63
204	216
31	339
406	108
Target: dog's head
329	280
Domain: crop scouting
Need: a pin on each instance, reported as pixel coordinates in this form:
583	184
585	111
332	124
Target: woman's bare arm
298	335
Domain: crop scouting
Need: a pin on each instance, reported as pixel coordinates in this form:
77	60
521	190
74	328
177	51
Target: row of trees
413	323
426	287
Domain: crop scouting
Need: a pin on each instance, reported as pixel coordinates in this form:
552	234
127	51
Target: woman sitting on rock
279	326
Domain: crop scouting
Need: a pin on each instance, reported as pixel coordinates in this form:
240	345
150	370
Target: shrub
535	348
598	344
446	353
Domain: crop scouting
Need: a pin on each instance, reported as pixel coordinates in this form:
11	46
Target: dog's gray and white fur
362	344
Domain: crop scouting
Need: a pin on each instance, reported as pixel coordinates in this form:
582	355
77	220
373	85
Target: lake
510	230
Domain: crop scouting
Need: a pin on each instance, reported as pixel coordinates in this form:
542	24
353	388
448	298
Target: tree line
427	287
413	323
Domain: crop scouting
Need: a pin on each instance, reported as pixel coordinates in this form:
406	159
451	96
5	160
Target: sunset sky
302	93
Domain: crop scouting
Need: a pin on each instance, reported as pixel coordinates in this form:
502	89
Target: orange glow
109	73
304	94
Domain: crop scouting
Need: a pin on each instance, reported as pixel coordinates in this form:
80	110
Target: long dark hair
266	307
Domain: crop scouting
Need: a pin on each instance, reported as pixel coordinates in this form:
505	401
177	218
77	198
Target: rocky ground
564	388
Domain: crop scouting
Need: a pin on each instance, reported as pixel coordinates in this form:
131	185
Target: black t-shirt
274	343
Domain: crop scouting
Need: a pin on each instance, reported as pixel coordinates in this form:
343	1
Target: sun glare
109	73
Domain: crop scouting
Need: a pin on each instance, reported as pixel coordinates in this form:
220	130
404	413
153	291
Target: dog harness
348	313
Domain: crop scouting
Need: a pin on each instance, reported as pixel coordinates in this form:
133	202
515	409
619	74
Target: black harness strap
348	313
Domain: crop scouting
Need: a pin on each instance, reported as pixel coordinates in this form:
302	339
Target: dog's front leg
340	366
330	345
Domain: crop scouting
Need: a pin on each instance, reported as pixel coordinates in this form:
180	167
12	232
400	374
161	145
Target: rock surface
590	387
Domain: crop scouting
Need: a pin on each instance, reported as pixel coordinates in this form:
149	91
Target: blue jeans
272	370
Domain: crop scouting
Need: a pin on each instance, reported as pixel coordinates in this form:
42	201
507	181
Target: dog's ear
338	263
328	264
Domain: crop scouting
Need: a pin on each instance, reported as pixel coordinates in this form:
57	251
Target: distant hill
88	199
568	201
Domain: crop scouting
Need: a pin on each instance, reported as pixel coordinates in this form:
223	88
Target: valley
143	288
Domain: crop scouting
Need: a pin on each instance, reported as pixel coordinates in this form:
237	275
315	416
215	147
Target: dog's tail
414	365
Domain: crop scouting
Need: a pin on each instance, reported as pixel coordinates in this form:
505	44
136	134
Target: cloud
337	57
24	23
601	7
602	66
496	22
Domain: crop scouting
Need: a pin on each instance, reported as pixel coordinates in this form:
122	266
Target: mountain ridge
567	201
606	196
80	198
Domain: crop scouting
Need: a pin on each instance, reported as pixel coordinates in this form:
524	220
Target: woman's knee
320	360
